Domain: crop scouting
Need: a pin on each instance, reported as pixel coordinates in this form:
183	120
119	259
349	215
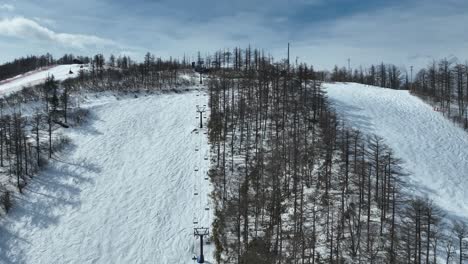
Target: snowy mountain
434	149
290	182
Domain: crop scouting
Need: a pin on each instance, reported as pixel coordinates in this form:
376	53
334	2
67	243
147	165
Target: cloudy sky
321	32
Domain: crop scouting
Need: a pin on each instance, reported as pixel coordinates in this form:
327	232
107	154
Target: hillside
60	72
124	193
434	150
111	167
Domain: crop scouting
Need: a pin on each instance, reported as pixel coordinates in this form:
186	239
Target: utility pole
201	110
411	78
349	65
288	56
201	232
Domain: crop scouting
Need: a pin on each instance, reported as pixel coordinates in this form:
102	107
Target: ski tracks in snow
129	189
434	150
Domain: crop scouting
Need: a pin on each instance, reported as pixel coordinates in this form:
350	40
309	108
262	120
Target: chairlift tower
201	232
201	110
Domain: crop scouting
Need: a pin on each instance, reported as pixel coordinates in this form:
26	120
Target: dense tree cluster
445	85
294	184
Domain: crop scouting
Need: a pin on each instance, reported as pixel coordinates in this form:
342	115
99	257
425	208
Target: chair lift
196	168
201	232
208	240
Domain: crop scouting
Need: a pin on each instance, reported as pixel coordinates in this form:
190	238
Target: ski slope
434	149
124	193
60	72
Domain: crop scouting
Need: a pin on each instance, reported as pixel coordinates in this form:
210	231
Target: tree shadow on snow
47	197
10	250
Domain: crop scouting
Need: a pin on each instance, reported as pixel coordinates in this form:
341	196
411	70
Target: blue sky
321	32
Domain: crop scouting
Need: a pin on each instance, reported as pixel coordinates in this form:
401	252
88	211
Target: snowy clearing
434	149
123	193
60	72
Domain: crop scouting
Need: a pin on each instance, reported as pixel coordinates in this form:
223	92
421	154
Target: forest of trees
294	184
445	85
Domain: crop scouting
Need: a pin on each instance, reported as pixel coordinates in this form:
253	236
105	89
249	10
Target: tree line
124	74
383	75
30	63
445	85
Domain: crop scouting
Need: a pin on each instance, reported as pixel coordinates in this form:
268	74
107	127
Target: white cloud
7	7
29	29
403	33
45	21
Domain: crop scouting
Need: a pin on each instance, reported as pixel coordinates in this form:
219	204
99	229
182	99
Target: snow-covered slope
60	72
435	150
123	194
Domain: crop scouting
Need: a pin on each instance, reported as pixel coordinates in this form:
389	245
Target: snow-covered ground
123	193
60	72
434	149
